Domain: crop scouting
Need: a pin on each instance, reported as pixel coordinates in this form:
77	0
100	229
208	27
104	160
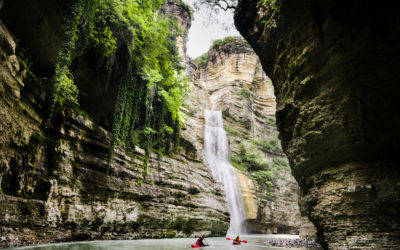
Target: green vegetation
36	140
273	5
25	63
264	178
237	163
252	160
183	5
221	42
229	39
201	60
147	112
218	228
152	89
237	41
280	163
269	145
64	89
244	93
251	157
170	233
231	130
103	41
185	225
271	121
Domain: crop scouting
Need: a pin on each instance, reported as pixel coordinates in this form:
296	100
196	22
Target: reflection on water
254	242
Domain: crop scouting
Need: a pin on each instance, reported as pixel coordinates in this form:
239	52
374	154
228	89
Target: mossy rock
170	233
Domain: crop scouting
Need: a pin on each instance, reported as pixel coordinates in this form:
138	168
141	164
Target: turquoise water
254	242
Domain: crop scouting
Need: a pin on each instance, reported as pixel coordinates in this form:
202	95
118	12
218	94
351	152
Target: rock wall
237	85
334	67
54	185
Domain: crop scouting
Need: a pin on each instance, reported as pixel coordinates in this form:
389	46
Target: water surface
254	242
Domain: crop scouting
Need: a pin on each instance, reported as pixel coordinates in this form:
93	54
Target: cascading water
217	155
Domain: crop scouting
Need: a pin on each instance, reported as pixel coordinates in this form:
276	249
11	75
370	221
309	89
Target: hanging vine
152	89
151	94
64	89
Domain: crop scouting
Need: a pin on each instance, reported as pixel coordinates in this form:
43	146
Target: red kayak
197	246
236	242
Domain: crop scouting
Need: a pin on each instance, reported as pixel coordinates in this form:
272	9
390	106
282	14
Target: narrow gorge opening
62	165
101	139
232	81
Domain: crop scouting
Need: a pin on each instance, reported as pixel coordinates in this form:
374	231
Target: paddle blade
244	241
228	238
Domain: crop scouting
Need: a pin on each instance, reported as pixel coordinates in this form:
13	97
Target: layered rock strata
54	185
237	85
334	67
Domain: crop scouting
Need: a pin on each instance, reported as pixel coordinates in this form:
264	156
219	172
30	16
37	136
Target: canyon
328	70
53	173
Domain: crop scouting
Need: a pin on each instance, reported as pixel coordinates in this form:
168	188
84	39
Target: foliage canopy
152	89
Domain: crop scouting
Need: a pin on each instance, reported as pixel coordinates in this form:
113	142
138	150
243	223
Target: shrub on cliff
270	145
201	60
251	157
221	42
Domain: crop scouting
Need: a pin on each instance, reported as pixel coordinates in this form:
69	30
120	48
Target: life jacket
199	242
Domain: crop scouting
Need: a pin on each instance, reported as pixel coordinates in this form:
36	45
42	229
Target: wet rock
296	243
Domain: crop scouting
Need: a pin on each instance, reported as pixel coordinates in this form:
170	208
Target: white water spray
217	155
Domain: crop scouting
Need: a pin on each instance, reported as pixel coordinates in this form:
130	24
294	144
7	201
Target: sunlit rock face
177	10
334	66
237	85
53	181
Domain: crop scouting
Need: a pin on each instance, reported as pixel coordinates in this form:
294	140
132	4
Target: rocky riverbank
296	243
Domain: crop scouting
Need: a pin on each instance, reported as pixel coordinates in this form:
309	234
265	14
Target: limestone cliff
54	185
334	66
236	84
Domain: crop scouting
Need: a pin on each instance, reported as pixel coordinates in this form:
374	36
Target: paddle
206	242
244	241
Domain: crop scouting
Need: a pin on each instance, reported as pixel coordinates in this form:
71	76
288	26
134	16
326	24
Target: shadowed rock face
53	181
334	67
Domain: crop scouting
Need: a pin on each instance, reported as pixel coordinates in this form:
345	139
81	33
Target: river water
254	242
217	154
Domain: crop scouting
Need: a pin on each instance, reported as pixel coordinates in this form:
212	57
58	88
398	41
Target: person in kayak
200	242
237	239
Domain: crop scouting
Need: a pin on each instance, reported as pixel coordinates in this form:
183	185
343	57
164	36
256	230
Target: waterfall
217	156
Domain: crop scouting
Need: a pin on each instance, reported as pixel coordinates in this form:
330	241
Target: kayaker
200	242
237	239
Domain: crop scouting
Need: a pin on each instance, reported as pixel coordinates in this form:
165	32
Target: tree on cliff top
218	4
